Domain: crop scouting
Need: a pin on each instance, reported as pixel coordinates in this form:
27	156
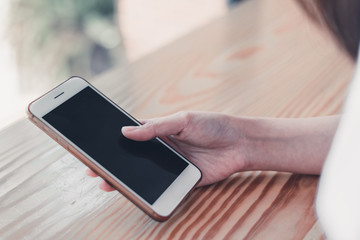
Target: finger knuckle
152	127
184	115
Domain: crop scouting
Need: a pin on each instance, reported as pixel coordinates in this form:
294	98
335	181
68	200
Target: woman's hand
221	145
212	141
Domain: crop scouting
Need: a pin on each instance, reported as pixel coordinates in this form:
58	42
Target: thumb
158	127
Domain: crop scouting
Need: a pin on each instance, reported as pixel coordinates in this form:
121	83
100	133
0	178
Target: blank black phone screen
94	125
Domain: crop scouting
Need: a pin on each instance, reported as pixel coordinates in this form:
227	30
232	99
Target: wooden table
263	59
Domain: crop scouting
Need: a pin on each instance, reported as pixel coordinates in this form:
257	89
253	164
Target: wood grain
263	59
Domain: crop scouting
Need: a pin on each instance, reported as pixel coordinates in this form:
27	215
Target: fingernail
129	128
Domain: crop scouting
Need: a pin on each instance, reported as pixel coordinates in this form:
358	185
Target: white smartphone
151	174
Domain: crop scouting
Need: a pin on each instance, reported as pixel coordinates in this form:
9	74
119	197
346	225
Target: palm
210	142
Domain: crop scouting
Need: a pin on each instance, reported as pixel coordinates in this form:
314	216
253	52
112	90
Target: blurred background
43	42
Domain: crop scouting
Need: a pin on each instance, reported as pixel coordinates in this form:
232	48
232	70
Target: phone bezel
165	205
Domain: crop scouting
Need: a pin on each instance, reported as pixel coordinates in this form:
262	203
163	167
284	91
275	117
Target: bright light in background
13	101
34	50
9	89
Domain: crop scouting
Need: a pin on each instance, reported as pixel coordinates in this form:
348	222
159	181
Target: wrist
250	132
252	143
264	143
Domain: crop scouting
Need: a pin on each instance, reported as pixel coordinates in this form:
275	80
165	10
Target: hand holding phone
151	174
209	140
